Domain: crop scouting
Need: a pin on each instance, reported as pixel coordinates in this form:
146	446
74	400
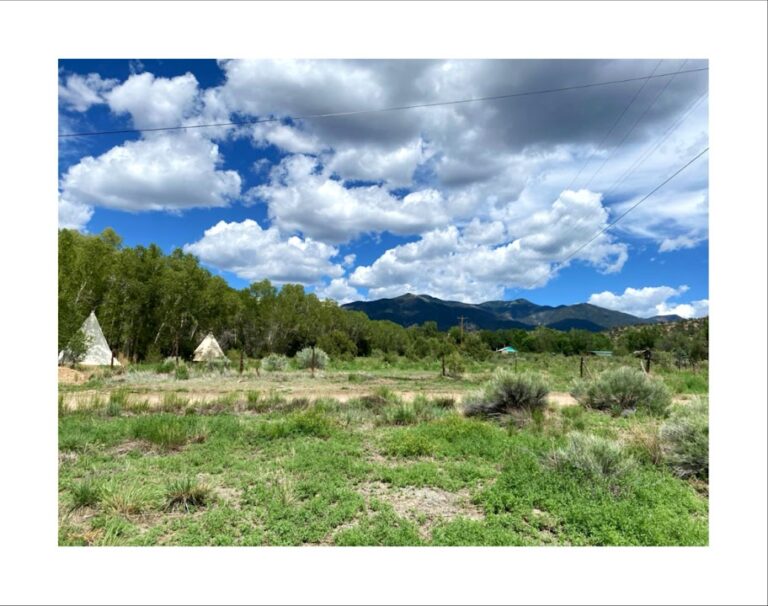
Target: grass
287	468
187	494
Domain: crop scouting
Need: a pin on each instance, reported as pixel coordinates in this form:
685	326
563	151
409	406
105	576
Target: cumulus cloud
339	290
452	264
651	301
160	173
302	196
155	102
253	253
73	215
79	93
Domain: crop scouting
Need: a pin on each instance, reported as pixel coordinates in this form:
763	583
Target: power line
645	155
625	213
632	128
650	151
613	126
380	110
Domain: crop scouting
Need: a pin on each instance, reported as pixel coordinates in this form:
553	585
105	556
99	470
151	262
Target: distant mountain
410	309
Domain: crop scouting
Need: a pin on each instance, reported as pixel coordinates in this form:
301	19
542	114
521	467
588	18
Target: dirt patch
70	376
560	398
425	505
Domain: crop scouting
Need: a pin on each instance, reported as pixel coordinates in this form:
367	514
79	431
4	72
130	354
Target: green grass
287	470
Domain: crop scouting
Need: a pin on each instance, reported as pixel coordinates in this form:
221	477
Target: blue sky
471	202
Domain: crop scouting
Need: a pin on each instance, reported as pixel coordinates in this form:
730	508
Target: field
362	453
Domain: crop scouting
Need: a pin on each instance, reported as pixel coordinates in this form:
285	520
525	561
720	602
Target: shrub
166	367
454	365
304	358
182	372
685	439
507	392
274	362
624	388
592	456
187	494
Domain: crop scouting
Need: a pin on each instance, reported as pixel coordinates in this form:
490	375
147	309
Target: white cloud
254	253
446	263
302	196
339	290
160	173
79	93
679	243
394	166
287	138
155	102
73	215
651	301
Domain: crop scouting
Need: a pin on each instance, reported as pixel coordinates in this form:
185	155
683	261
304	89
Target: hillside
410	309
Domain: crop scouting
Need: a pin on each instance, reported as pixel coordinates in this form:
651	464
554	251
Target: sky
485	200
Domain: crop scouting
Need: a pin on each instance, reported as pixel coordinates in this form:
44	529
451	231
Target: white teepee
208	350
98	353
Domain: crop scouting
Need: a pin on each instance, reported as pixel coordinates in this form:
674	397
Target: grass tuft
187	494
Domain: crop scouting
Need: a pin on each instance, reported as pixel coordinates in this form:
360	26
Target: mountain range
409	309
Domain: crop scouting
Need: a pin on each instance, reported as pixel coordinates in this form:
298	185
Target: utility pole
461	329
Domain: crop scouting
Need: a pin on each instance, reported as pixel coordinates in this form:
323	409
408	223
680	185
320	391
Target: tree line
151	306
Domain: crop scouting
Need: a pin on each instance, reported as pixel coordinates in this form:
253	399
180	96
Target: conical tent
208	350
98	352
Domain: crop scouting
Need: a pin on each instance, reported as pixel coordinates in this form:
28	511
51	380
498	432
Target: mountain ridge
409	309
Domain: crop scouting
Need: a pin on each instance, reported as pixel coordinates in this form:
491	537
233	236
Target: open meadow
368	452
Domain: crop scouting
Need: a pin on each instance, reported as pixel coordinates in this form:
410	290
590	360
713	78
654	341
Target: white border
732	35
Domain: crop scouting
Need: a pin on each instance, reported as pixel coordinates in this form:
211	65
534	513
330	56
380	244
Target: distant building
507	350
601	352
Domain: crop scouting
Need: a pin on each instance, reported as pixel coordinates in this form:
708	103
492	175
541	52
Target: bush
182	372
592	456
274	362
304	358
166	367
685	439
507	392
623	389
454	365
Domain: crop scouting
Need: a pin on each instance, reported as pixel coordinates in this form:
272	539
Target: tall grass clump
167	431
274	362
173	402
182	372
304	358
685	439
508	392
117	402
592	456
85	493
187	494
621	389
